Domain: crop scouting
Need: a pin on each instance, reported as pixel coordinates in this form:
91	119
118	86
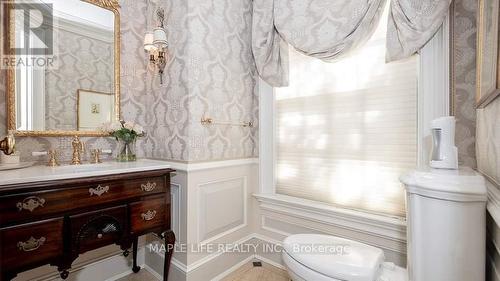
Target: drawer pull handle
150	186
31	245
149	215
30	203
99	190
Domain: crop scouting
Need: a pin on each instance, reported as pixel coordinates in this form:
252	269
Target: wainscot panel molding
216	207
200	166
175	208
215	222
281	216
393	228
204	264
202	270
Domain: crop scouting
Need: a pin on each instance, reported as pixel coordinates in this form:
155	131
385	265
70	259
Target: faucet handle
96	156
52	153
52	158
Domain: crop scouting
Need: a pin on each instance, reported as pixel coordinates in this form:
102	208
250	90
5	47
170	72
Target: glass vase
126	151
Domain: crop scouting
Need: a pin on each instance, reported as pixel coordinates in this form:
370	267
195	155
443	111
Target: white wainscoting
281	216
222	208
175	208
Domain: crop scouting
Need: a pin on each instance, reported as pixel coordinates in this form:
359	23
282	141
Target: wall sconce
155	43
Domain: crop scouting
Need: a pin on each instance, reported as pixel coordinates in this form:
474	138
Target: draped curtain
328	29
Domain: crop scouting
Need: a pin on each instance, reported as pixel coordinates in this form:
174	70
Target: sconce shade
148	41
160	38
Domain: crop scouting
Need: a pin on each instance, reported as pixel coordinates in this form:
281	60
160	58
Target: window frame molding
433	102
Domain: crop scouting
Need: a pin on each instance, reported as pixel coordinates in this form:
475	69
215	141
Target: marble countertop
44	173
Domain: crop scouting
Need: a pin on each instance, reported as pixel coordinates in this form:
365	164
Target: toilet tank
446	214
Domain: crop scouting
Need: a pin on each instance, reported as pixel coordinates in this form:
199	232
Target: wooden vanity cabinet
54	222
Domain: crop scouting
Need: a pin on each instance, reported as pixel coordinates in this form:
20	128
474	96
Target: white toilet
446	232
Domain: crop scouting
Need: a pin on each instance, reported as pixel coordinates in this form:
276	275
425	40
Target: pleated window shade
347	130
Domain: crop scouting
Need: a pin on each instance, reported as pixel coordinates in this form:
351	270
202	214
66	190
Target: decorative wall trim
392	228
232	268
188	268
152	271
200	166
176	207
243	262
201	211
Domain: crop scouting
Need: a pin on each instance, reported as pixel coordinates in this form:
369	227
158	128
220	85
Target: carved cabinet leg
135	268
169	247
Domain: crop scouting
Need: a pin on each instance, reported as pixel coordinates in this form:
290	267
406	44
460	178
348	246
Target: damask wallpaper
488	140
464	78
133	87
210	73
85	63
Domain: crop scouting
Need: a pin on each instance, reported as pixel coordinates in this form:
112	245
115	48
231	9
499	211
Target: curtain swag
328	29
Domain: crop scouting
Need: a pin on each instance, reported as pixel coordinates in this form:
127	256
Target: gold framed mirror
488	55
71	46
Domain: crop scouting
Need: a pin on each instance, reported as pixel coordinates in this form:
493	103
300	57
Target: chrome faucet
78	149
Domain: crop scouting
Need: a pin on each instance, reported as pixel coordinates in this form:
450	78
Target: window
346	131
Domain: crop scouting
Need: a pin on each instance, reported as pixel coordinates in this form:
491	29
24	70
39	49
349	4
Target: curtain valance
327	29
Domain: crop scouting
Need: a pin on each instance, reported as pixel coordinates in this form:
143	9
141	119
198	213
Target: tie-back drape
412	23
328	29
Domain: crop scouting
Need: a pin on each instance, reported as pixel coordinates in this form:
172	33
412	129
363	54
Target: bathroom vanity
52	215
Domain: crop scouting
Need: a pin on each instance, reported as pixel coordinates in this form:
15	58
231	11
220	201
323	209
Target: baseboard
152	271
233	268
243	262
271	262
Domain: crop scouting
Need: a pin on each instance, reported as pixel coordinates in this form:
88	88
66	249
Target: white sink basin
43	173
83	168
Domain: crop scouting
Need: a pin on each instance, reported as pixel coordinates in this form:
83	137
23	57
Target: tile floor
264	273
143	275
245	273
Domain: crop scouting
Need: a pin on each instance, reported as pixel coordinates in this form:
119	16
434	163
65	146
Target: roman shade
347	130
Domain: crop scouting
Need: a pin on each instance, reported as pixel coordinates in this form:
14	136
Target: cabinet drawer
29	206
99	228
31	243
150	215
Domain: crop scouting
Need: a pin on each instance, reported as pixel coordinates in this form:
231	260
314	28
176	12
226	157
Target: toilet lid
335	257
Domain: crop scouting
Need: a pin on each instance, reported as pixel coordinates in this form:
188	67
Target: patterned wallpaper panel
133	88
464	78
222	77
210	73
85	63
488	140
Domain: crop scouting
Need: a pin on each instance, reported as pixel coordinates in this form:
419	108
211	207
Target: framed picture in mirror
488	59
94	109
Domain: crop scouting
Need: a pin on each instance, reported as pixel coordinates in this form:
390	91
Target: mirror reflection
77	90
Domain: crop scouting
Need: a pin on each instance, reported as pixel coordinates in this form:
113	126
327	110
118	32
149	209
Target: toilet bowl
315	257
443	206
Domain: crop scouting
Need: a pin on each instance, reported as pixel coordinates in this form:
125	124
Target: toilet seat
306	261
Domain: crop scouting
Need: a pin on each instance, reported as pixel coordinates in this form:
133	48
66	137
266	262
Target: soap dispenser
444	153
